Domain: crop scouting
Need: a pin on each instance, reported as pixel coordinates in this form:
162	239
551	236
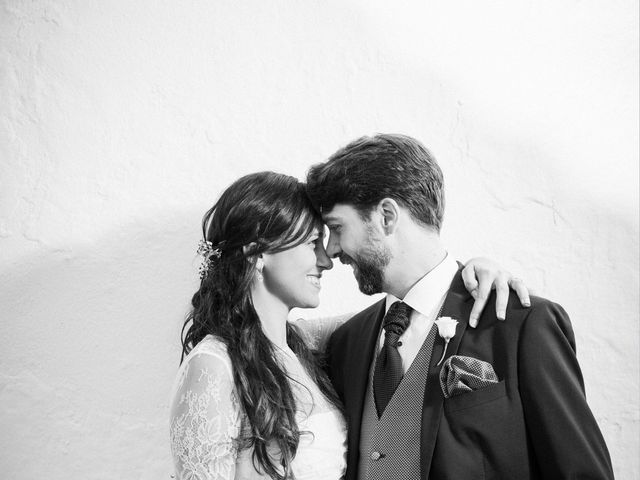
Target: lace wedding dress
207	419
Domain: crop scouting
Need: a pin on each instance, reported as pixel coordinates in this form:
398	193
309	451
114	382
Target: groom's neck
415	254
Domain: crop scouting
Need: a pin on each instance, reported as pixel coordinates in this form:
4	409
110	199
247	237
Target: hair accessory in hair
206	251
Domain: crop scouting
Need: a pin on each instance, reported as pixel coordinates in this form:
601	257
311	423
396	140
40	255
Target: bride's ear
248	250
256	258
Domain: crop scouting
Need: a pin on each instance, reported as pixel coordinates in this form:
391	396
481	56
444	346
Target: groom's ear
389	211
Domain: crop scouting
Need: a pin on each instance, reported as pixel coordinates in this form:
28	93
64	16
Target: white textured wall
121	121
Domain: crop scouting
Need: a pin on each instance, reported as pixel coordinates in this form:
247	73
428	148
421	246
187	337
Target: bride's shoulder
206	364
211	345
209	349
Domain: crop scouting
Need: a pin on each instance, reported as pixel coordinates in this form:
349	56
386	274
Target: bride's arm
205	421
480	276
318	330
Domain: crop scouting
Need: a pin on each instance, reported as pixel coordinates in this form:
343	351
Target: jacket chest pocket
475	399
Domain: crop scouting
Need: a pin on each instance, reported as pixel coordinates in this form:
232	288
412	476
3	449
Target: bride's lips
314	280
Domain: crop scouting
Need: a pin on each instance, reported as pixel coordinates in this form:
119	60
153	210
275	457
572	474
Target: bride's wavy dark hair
262	212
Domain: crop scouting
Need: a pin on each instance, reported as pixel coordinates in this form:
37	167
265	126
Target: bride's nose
322	259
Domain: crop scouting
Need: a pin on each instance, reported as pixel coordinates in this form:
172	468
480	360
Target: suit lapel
358	364
457	305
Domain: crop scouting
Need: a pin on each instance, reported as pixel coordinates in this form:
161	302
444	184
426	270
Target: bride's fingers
470	281
521	290
501	284
481	296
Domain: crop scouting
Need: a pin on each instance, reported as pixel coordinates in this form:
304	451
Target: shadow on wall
90	349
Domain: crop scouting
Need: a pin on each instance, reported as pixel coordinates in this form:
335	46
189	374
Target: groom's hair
372	168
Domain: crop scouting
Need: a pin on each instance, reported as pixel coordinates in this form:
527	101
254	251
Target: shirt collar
428	292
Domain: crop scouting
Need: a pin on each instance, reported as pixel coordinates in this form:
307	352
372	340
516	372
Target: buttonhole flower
447	330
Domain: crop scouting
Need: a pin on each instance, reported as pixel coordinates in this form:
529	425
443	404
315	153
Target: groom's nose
333	246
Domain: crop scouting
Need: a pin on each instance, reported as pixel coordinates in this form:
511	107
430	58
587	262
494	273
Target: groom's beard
369	268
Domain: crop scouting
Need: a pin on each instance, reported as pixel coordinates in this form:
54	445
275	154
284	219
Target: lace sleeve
318	330
205	420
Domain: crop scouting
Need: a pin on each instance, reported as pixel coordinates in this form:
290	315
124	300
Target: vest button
375	456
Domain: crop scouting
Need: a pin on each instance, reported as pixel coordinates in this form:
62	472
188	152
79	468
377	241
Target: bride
251	399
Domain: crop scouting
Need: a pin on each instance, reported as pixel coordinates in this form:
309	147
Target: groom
503	401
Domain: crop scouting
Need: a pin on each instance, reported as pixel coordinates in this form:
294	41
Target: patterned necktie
388	372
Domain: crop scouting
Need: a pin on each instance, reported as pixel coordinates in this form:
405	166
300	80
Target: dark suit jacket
534	424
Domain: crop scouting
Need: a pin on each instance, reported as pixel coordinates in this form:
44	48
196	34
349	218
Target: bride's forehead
317	231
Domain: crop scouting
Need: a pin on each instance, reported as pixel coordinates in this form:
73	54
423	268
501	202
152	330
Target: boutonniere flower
447	330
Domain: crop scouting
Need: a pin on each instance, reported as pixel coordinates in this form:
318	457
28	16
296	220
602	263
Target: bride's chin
313	303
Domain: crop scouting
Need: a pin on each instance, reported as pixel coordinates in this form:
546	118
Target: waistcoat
390	445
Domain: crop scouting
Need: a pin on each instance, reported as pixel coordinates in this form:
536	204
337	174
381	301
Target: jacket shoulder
541	308
545	317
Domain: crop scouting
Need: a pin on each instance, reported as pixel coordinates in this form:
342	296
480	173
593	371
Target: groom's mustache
345	259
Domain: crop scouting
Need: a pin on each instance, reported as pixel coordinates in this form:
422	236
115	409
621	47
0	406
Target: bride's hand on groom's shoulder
480	276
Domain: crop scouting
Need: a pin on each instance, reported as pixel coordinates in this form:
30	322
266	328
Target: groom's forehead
340	213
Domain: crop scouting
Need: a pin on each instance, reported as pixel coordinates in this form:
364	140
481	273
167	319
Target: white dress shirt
425	298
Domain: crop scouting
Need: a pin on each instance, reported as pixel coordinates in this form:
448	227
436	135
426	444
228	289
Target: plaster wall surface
121	122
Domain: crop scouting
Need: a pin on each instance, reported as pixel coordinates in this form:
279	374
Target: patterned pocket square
465	374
